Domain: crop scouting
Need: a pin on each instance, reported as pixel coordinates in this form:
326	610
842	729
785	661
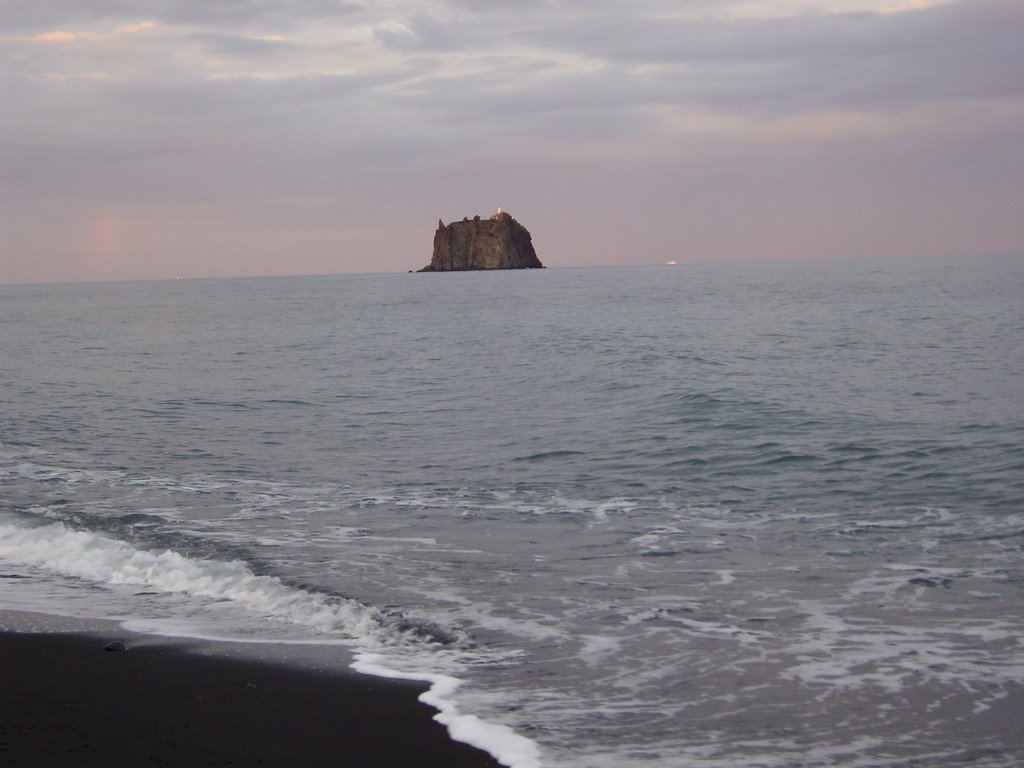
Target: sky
144	139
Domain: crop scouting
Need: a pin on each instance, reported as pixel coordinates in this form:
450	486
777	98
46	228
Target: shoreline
64	699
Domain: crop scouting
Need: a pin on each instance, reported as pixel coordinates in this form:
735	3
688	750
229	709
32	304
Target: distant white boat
670	263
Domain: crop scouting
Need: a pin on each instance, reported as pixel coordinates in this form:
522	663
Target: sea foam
504	744
98	558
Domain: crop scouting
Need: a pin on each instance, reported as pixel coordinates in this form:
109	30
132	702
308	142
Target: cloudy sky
193	138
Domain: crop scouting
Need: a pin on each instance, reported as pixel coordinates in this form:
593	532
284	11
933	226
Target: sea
698	516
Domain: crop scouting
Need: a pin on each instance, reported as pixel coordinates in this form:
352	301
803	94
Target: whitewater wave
106	561
98	558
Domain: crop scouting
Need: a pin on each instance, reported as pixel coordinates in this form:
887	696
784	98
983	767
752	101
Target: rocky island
499	242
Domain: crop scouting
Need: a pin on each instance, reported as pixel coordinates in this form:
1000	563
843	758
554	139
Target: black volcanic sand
65	701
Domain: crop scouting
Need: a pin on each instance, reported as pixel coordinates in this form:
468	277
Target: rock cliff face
499	242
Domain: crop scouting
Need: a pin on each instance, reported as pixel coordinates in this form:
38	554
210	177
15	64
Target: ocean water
707	515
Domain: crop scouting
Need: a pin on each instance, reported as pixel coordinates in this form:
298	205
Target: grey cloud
228	44
217	139
423	32
471	91
961	51
771	66
41	15
252	12
601	107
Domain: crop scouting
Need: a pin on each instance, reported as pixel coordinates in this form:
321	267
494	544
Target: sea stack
499	242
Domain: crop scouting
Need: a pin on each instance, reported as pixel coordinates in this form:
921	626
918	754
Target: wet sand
65	700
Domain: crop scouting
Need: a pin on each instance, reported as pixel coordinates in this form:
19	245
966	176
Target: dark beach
65	700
